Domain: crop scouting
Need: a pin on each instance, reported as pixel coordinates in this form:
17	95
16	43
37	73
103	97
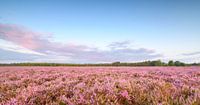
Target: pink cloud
21	36
119	51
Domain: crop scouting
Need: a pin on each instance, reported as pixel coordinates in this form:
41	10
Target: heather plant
99	86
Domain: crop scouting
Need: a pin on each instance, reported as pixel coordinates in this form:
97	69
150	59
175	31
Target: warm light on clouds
30	42
8	46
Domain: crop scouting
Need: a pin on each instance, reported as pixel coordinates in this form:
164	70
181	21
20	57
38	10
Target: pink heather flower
12	101
82	100
125	94
63	98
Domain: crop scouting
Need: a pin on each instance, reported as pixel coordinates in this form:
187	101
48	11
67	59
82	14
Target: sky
96	31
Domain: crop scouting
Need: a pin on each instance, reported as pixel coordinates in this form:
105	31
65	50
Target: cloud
20	36
40	44
9	46
192	53
118	45
7	56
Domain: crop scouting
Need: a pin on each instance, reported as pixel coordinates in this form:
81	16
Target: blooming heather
99	85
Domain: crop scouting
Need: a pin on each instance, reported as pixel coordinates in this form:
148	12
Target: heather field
100	85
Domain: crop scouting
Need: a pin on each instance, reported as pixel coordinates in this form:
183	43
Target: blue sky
85	31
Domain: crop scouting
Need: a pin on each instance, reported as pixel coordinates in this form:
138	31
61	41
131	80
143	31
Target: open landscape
99	52
100	85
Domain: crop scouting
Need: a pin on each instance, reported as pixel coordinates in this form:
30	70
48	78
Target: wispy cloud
192	53
23	37
118	45
9	46
8	56
38	43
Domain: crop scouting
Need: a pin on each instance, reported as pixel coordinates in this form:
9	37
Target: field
100	85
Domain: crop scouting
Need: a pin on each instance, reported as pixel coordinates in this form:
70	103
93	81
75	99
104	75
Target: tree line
154	63
145	63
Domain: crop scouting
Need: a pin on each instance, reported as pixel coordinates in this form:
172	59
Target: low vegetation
100	86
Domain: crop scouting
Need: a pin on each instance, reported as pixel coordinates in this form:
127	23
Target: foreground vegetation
100	86
145	63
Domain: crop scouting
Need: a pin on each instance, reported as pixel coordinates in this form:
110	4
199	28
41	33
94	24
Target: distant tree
116	63
156	63
195	64
171	63
178	63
